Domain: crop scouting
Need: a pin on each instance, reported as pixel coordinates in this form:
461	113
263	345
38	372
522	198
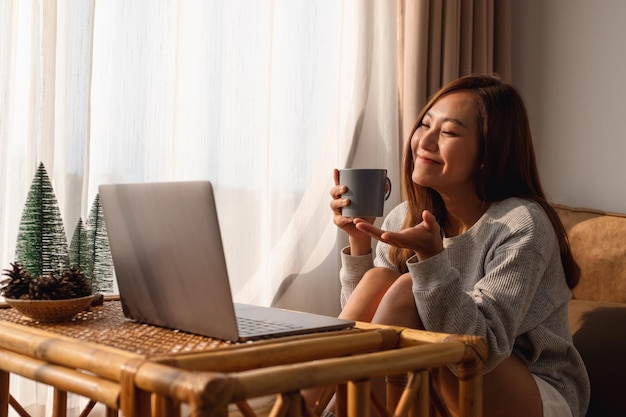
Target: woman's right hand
360	242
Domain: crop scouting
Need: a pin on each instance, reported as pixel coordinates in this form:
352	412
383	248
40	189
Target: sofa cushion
598	242
599	332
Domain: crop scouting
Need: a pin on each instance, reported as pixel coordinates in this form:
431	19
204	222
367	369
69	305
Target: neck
463	214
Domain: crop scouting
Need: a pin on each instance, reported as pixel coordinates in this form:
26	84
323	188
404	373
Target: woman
474	249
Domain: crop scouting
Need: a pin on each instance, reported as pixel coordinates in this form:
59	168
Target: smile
423	159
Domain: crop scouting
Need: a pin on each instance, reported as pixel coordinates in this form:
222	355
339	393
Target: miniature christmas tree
102	272
41	242
41	270
81	255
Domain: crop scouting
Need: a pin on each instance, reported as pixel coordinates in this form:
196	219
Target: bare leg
397	306
365	298
361	307
509	390
382	294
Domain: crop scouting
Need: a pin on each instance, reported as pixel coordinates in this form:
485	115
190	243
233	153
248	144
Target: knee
379	276
397	306
366	296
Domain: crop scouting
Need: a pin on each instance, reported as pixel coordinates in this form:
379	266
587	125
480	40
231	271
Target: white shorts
554	405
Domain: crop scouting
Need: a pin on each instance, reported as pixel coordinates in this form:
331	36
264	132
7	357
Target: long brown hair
508	157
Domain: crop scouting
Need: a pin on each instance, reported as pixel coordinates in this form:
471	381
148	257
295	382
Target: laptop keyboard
251	326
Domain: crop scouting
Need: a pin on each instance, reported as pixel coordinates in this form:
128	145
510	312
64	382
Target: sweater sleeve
354	267
352	270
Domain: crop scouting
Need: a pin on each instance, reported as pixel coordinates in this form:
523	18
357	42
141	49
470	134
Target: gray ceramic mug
368	189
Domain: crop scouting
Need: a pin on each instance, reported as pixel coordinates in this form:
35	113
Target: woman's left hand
424	238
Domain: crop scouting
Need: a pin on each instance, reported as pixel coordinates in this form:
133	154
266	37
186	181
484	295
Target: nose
427	140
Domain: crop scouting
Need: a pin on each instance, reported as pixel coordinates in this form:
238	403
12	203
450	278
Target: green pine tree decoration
41	270
41	241
101	252
81	255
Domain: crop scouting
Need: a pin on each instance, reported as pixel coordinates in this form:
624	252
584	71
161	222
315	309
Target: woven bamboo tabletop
107	325
136	361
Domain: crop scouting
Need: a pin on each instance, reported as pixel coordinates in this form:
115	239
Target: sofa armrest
598	243
599	332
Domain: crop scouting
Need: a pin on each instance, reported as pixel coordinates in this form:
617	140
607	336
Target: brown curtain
440	40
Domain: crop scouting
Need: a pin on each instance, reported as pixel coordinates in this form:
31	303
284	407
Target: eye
449	133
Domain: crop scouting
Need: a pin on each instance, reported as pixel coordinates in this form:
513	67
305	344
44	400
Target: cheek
461	161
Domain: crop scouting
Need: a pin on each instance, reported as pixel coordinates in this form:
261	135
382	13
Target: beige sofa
598	311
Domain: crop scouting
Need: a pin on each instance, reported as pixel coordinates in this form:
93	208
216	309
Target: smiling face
446	145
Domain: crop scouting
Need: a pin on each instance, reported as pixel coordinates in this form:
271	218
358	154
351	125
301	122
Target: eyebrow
448	119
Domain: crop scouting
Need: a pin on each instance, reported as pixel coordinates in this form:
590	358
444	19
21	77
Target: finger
395	239
366	227
338	203
342	221
430	221
336	176
337	191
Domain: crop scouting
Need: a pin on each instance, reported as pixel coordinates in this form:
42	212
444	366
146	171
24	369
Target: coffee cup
367	189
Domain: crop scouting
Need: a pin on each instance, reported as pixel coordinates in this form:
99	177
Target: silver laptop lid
168	256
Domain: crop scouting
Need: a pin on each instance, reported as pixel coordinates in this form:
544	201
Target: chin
420	180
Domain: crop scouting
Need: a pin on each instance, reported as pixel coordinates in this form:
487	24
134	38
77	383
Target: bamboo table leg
394	385
471	396
294	403
164	407
359	398
409	397
134	402
325	397
469	372
4	393
422	406
59	403
341	400
280	408
88	408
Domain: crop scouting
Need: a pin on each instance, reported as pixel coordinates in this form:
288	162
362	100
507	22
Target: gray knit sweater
502	280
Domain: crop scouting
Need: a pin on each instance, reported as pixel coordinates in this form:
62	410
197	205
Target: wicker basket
50	310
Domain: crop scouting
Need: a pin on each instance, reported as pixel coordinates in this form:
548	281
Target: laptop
171	270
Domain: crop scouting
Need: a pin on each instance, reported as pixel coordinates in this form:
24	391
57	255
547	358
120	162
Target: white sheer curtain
264	98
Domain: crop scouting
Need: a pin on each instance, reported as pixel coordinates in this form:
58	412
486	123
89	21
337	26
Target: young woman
474	249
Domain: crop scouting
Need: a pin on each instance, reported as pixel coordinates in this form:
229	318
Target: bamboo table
149	371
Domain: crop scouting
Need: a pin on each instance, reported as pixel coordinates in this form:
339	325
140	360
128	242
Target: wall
569	62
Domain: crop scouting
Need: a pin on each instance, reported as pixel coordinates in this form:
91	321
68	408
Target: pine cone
45	287
72	283
17	285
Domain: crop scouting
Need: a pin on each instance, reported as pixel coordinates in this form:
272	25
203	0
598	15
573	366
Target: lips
425	159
